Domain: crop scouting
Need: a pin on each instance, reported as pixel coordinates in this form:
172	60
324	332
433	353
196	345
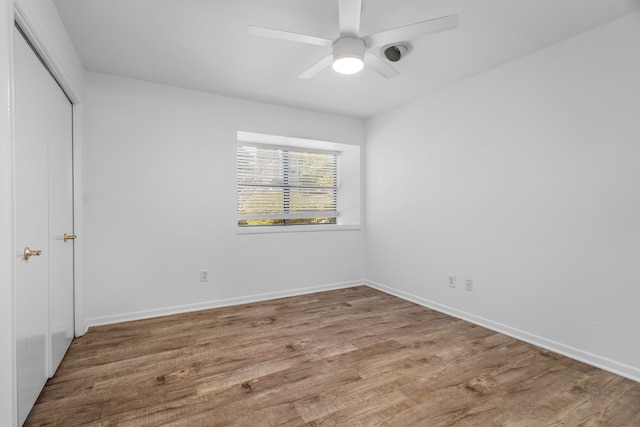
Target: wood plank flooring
353	357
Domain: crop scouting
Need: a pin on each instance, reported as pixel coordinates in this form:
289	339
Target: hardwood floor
355	357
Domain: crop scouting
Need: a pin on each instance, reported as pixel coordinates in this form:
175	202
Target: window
280	186
287	184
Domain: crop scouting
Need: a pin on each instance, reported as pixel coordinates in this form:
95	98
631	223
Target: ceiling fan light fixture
348	65
348	55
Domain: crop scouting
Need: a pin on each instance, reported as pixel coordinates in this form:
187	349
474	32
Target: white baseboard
165	311
609	365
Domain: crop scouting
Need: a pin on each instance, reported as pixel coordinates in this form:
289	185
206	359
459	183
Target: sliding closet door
31	193
61	235
44	224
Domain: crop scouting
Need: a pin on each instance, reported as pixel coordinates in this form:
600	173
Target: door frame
27	23
20	12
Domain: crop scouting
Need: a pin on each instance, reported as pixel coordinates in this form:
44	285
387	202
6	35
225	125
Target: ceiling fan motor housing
348	47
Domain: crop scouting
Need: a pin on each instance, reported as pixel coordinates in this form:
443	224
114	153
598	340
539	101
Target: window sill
296	229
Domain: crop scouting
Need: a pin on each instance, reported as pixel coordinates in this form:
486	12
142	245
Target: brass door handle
67	237
28	253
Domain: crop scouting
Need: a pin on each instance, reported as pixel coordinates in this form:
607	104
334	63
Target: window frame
348	201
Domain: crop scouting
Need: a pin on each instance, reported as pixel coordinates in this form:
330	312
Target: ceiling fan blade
411	31
384	69
317	67
287	35
349	15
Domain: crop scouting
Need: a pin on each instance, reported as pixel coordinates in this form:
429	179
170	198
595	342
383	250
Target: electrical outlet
468	285
452	280
204	275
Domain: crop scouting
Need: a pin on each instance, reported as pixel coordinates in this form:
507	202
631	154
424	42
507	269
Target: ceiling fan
350	50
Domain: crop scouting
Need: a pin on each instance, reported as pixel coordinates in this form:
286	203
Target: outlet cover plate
452	280
204	275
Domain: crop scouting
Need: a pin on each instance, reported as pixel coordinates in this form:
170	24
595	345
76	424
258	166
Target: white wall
160	203
526	180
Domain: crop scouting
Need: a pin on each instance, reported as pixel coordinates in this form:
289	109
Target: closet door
31	199
61	235
44	208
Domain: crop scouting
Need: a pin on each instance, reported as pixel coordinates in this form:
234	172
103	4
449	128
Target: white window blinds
286	186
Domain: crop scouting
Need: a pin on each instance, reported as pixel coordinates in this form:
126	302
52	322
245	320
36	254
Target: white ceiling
204	45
